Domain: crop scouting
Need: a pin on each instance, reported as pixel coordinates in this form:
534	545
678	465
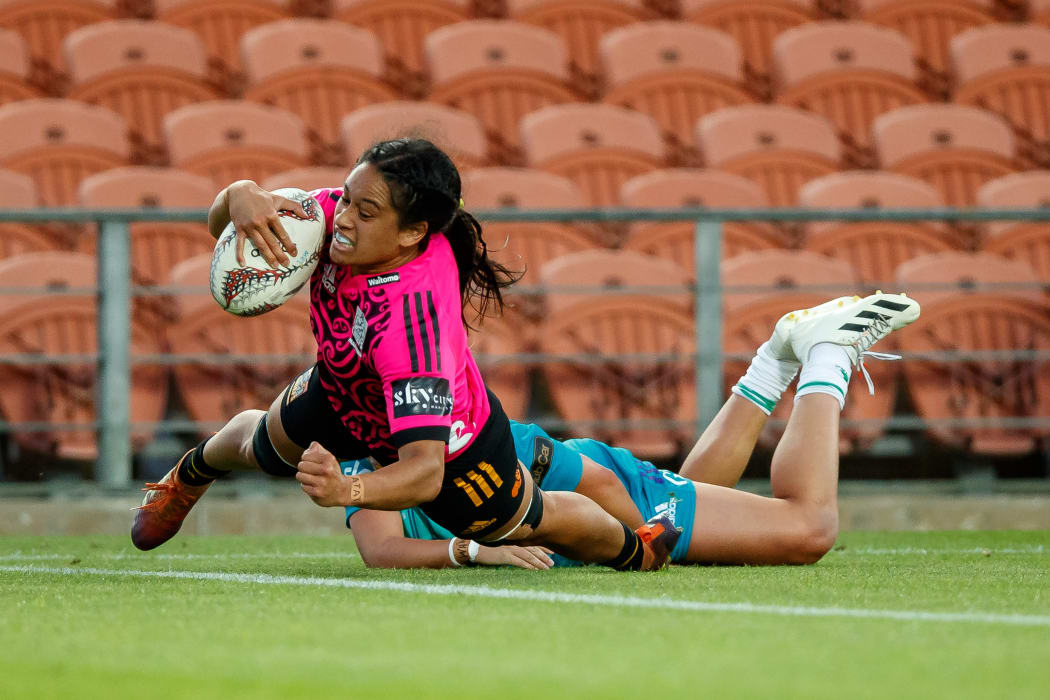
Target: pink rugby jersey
392	350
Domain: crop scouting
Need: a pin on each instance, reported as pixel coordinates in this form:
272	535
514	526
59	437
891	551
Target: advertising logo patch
422	396
299	386
542	453
385	278
359	331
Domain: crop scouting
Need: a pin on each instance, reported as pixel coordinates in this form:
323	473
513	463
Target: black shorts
483	487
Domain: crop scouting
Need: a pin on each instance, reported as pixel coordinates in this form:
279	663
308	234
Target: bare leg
576	527
721	454
798	525
231	447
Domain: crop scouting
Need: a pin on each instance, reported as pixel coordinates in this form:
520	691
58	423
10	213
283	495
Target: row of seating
850	72
956	149
594	335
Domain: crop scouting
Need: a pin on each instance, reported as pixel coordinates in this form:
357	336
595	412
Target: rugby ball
255	288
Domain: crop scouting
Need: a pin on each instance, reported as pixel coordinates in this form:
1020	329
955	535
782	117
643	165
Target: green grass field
952	615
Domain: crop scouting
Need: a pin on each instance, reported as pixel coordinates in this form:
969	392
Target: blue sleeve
554	466
353	468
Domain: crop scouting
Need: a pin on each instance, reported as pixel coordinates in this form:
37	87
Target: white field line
142	556
553	596
1033	549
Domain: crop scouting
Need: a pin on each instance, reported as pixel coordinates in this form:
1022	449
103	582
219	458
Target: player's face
366	233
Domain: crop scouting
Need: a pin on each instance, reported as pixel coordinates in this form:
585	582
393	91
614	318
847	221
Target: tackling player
394	378
798	524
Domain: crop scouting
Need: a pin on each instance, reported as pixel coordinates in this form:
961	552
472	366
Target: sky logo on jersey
422	396
380	280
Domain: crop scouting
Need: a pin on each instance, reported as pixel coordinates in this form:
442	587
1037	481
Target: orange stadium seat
754	24
155	246
1005	68
490	344
526	246
1040	10
498	71
44	24
14	69
604	325
780	148
60	142
229	140
750	316
309	178
401	26
695	188
192	274
929	26
674	72
220	24
599	147
64	325
874	248
850	72
141	70
973	317
459	133
954	148
1020	240
581	23
318	69
17	191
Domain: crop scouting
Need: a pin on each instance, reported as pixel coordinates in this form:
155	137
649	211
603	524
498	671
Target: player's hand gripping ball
243	283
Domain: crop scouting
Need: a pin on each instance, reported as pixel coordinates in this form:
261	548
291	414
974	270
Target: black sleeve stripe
410	333
423	335
426	432
437	331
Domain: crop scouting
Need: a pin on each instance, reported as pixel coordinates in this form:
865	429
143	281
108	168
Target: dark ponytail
425	186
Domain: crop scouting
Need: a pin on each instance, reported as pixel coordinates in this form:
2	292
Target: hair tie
460	202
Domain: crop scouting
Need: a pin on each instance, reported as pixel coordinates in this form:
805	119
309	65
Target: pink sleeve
415	364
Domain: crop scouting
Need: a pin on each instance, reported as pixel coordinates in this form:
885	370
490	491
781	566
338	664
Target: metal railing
114	361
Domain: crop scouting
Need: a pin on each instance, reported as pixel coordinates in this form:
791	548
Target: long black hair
425	186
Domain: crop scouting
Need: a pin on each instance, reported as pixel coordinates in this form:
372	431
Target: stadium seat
954	148
401	26
674	72
1019	240
750	316
229	140
929	25
874	248
459	133
310	178
491	343
155	246
64	324
526	246
498	71
581	23
142	71
44	24
695	188
974	317
1040	10
754	24
780	148
850	72
191	274
1005	68
604	325
599	147
60	142
14	69
17	191
320	70
220	24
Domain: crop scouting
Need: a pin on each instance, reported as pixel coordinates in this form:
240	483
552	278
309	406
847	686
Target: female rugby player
798	524
394	378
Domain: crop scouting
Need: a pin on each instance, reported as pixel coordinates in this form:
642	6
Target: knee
815	536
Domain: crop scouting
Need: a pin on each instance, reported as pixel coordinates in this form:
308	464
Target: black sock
630	557
194	471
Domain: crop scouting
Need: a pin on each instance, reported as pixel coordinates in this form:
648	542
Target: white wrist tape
452	552
472	550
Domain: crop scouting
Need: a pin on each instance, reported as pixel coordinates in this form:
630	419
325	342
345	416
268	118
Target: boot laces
878	328
167	492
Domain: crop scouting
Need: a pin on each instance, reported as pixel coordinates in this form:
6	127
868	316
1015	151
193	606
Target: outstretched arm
603	487
380	539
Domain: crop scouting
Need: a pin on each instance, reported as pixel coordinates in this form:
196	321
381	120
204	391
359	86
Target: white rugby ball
255	288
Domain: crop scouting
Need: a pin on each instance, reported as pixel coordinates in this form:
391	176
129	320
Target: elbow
431	480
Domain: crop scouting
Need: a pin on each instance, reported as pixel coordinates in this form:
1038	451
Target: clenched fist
322	478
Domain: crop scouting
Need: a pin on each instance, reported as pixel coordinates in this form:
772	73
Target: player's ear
411	235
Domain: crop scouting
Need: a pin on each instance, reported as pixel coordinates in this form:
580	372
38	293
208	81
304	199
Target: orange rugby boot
163	509
659	536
